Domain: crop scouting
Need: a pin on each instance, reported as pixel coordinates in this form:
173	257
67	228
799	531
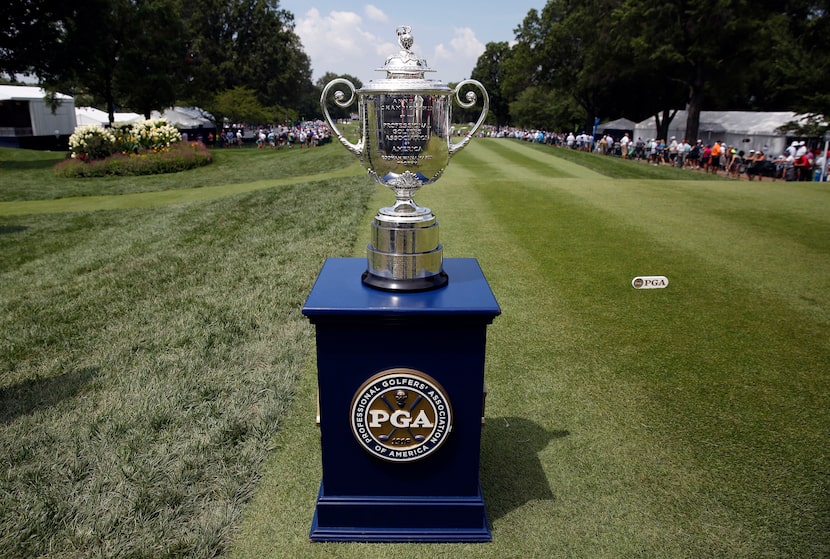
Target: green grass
157	381
146	360
30	175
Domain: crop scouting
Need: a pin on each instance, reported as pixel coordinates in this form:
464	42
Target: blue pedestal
362	332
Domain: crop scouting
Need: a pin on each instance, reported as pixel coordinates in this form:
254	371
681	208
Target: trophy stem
404	209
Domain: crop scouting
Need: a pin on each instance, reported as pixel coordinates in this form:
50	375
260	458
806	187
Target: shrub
179	157
125	138
156	135
92	142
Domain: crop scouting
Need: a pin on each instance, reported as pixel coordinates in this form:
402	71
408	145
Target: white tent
187	118
92	116
621	124
24	112
745	130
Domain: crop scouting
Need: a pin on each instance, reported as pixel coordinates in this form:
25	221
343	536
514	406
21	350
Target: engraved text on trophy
409	135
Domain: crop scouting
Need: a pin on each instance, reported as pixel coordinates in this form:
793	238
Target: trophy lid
405	72
406	64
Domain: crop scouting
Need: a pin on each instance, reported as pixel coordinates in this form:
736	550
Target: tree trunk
110	99
663	123
695	103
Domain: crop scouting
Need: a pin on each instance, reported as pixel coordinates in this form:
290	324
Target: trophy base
405	254
409	285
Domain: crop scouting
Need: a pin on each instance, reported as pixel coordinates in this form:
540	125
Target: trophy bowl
405	143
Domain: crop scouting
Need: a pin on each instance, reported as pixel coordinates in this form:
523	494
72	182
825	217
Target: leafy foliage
150	54
490	70
635	58
248	44
95	142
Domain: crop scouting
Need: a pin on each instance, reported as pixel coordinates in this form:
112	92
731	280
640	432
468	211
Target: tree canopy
570	62
574	61
149	54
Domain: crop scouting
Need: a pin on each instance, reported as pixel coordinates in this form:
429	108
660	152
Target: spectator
673	147
625	141
715	157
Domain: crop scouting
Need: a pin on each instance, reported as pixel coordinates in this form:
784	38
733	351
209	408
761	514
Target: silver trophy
405	142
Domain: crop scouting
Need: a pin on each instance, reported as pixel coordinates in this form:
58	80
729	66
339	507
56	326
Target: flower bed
148	147
178	157
89	143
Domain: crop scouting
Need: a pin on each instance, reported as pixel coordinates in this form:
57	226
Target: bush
93	142
179	157
156	135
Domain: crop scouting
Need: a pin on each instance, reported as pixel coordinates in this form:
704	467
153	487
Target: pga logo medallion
650	282
401	415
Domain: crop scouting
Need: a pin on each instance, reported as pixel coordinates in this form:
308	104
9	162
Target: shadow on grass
511	473
28	165
9	229
31	395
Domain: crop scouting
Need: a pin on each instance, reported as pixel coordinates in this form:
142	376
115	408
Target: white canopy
743	129
92	116
43	121
619	124
185	117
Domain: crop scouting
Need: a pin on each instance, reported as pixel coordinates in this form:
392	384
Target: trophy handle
471	100
356	149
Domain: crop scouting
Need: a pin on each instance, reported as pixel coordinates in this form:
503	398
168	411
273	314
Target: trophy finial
405	38
405	64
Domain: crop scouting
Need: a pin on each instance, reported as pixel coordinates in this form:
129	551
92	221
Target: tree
119	51
89	50
30	30
244	43
490	69
240	104
335	111
151	63
567	48
797	59
701	44
637	57
148	54
538	107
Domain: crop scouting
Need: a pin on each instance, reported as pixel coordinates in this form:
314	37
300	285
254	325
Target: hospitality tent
193	121
745	130
185	117
27	119
91	116
618	128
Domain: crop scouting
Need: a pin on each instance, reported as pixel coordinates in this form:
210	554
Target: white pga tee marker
650	282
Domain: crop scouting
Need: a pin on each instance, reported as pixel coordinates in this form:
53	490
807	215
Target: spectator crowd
798	162
305	134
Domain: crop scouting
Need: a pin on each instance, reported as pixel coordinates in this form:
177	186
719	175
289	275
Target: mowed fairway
685	422
158	380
